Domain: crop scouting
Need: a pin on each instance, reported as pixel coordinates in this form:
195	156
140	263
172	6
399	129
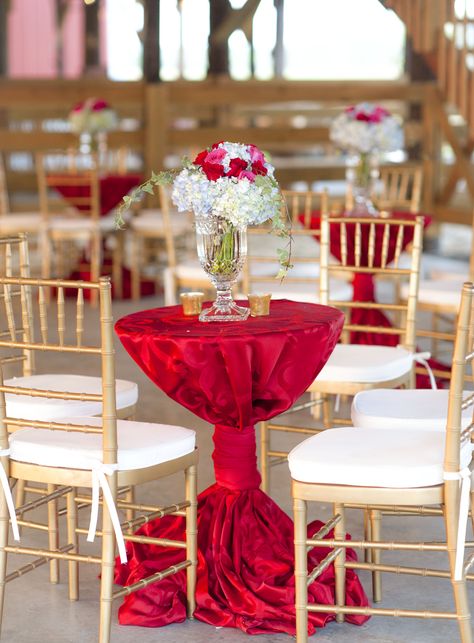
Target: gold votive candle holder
259	304
191	302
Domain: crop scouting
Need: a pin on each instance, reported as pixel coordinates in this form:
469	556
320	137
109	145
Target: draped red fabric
232	375
112	190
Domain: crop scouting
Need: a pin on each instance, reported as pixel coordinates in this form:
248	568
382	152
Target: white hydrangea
365	137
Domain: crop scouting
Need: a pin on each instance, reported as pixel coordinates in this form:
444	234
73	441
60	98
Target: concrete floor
36	611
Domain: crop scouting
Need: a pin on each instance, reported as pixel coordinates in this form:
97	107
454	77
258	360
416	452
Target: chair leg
4	527
73	566
375	524
117	260
96	252
20	493
327	411
135	267
53	535
130	513
107	567
301	570
264	464
367	536
340	562
191	538
451	514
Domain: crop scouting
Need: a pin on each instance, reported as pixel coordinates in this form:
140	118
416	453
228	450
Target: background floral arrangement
366	128
92	115
233	181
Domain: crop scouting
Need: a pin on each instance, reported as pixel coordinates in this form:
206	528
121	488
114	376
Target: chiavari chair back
396	470
400	188
99	453
302	210
4	200
74	220
365	248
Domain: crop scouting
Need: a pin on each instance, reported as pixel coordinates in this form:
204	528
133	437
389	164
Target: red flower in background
362	116
214	145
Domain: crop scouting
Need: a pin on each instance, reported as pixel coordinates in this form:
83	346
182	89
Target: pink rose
216	155
256	155
246	174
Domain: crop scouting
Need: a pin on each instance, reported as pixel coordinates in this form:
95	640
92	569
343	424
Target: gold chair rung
42	560
364	544
379	611
154	578
30	551
398	569
324	564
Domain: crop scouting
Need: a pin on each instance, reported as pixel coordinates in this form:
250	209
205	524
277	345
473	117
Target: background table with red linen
232	375
112	187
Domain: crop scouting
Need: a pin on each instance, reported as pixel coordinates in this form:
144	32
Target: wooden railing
161	122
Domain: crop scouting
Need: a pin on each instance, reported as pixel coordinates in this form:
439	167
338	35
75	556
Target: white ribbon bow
99	471
8	496
421	358
464	477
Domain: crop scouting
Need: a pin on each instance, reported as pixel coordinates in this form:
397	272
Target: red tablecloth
232	375
113	188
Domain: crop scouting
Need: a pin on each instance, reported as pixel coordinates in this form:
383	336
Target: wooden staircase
442	32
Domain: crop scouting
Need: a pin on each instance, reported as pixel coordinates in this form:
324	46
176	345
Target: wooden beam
92	44
151	41
4	8
219	10
234	19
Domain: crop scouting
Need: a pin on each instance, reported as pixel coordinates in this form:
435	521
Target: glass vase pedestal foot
224	309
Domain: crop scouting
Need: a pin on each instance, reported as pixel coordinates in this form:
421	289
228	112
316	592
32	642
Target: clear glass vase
222	248
361	174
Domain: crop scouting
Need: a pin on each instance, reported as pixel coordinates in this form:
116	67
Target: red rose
99	105
200	157
362	116
214	145
236	166
259	168
213	171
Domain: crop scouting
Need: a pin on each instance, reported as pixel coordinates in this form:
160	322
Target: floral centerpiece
92	115
365	130
228	186
91	119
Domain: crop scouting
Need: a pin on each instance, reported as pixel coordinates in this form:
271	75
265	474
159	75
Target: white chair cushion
190	270
305	292
371	458
447	293
420	409
81	224
361	363
42	408
22	221
154	223
140	445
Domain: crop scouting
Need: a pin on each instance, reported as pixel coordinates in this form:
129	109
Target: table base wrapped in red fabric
233	375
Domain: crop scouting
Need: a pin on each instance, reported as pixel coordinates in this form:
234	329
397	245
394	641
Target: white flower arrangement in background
92	116
366	128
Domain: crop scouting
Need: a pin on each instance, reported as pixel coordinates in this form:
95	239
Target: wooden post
4	7
219	11
151	41
278	52
156	121
92	46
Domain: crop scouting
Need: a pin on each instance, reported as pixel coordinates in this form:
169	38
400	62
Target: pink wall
32	39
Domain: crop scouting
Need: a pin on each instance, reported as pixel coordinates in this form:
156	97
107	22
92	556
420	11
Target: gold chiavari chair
12	223
391	469
14	261
302	281
400	188
356	367
93	452
78	224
